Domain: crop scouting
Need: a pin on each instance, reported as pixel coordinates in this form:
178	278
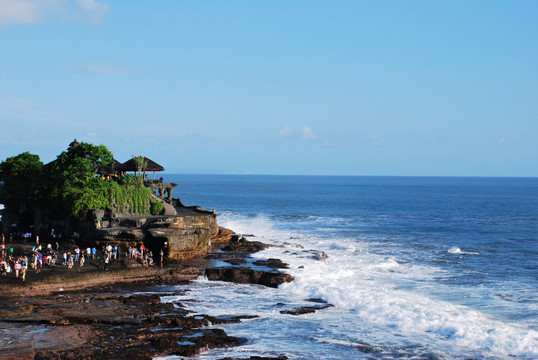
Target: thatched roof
107	170
130	165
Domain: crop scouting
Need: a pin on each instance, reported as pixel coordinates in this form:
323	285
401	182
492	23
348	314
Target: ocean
416	267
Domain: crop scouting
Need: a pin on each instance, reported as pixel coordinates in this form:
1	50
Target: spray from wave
457	251
395	301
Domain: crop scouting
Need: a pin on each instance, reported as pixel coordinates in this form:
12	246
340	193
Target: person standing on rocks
39	263
17	267
162	257
106	263
23	273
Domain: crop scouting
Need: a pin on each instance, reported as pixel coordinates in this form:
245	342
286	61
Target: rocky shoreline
95	314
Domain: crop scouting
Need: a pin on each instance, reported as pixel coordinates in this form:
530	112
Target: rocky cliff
182	236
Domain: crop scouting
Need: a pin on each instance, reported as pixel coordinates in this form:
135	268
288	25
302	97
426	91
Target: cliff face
186	236
182	237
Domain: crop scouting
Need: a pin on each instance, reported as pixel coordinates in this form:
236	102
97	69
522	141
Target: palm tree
140	164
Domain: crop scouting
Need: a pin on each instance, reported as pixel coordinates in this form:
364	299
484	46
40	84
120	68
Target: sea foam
457	251
392	299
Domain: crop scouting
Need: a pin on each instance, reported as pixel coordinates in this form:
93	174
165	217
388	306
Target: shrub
156	207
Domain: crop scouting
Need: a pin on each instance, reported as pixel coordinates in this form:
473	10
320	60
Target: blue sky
440	88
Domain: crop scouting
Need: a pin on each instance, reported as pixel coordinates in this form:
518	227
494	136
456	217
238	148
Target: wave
457	251
381	297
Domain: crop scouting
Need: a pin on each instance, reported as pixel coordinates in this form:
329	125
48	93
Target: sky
404	88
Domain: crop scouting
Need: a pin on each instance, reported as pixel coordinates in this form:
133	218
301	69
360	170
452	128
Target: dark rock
240	244
316	300
235	261
305	309
245	275
109	326
320	256
254	357
272	263
228	319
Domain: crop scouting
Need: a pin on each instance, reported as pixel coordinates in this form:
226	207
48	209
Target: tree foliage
70	184
140	165
21	178
72	177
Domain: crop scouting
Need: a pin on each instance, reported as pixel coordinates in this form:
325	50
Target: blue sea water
416	267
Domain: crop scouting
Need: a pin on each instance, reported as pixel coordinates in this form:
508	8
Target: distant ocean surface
417	267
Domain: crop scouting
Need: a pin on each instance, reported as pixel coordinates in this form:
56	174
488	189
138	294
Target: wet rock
317	255
240	244
228	319
106	326
316	300
281	357
235	261
245	275
305	309
223	236
272	263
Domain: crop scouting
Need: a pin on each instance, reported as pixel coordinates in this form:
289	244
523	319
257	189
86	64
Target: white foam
376	297
259	226
373	292
457	251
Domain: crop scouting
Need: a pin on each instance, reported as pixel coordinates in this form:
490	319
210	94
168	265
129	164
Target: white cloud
92	10
378	140
286	131
37	11
308	134
23	11
502	141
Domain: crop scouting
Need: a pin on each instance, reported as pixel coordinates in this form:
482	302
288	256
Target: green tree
140	164
21	178
72	178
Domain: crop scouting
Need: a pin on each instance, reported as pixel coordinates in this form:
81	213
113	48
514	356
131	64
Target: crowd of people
17	261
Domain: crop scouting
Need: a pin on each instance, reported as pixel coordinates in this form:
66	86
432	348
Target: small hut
150	165
108	171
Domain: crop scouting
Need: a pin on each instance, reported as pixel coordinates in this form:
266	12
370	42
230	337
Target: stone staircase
169	209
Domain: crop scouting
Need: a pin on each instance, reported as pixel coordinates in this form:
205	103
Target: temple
183	232
133	215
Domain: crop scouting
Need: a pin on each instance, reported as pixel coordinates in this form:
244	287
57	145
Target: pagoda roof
130	165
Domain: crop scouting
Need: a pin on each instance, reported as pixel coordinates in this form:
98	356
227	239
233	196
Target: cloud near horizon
38	11
308	134
99	68
286	131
